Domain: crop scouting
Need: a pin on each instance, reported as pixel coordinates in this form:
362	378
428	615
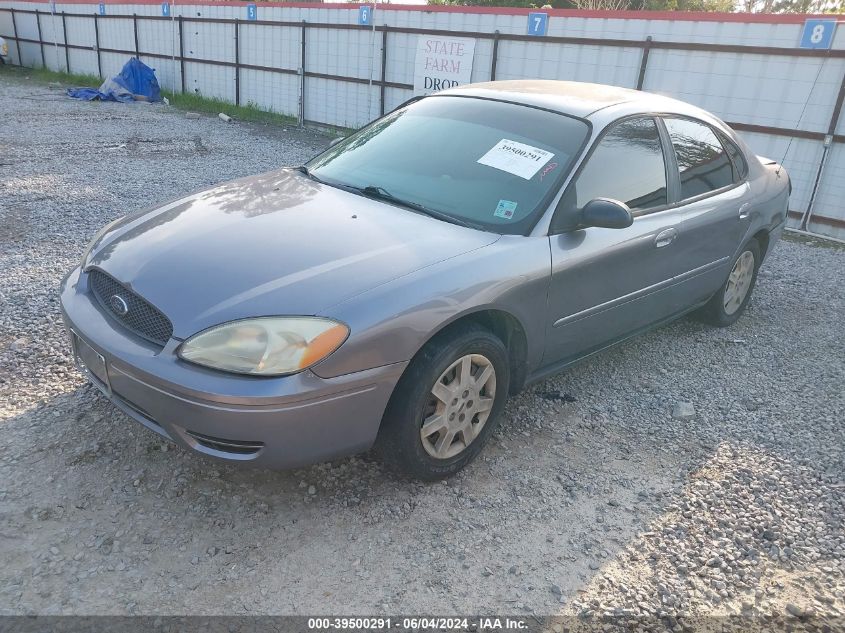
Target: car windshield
485	163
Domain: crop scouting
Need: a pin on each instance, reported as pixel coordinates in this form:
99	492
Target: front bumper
269	422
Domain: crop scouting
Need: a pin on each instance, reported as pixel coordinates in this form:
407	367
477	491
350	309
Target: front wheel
446	405
730	301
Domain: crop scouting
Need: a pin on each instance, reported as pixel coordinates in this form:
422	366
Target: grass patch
812	240
188	101
209	105
71	79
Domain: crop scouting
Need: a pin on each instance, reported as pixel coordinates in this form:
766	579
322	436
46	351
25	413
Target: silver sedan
394	291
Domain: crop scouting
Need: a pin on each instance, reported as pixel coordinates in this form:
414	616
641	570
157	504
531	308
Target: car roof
575	98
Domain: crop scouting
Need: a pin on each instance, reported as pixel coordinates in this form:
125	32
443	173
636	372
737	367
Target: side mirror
337	140
607	213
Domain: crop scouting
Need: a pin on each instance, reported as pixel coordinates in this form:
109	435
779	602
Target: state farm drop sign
442	62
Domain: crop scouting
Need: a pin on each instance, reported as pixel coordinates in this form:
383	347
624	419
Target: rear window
490	163
703	162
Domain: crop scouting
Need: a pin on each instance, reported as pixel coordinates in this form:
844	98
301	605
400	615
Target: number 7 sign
538	23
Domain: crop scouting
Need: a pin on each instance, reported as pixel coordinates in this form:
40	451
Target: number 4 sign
538	23
817	34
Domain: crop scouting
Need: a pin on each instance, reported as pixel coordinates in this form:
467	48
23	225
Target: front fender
390	323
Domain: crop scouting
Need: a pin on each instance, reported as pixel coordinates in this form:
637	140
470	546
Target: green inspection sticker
505	209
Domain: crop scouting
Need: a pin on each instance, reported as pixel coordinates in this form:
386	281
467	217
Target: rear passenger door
713	199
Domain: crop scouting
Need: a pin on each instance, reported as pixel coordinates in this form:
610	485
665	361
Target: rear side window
703	162
627	165
740	164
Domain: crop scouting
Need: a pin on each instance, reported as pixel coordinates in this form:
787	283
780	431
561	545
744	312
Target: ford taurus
394	291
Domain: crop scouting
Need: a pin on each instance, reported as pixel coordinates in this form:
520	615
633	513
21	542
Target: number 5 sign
817	34
538	23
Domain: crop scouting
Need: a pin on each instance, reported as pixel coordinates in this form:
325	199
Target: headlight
108	227
4	50
265	346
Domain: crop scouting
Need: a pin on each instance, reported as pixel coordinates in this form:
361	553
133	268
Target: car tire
730	301
414	437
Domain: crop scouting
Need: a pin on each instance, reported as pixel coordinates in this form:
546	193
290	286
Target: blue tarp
135	80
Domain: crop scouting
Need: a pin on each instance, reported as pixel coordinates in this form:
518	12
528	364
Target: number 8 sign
817	34
538	23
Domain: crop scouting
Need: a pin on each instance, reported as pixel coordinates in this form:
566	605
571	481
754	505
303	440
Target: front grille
139	315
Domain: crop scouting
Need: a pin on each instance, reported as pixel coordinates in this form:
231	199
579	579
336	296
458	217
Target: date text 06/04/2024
416	624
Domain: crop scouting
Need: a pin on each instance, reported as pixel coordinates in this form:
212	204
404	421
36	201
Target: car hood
274	244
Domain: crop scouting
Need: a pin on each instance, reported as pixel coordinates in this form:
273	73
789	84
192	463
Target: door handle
665	237
745	211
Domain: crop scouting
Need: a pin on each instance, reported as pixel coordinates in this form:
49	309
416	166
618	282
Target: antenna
803	110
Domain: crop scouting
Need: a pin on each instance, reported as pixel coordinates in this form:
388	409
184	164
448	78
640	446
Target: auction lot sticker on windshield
516	158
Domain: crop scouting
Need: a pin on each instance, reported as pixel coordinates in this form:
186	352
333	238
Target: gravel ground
688	473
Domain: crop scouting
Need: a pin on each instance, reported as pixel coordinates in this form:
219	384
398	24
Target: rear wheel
728	304
446	405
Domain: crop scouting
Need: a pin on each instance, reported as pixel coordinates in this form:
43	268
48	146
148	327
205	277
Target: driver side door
608	283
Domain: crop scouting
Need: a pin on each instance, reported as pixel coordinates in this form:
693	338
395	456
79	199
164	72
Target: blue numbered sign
817	34
365	15
538	23
165	9
102	8
251	12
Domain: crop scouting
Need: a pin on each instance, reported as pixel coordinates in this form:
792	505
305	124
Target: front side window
627	165
702	161
487	163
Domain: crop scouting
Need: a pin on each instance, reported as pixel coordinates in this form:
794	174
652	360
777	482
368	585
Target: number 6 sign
538	23
817	34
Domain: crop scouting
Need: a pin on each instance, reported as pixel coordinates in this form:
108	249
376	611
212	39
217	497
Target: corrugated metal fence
314	61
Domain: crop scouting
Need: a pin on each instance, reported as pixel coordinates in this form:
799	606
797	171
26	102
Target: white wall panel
275	47
340	103
342	52
598	64
800	156
765	90
205	40
831	193
83	62
217	82
117	34
271	91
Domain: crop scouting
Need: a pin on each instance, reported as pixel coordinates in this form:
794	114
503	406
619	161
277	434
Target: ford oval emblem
119	305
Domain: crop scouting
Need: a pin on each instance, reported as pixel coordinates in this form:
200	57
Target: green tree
748	6
792	6
687	5
483	3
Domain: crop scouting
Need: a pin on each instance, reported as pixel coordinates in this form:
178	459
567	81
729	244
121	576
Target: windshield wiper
380	193
331	183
